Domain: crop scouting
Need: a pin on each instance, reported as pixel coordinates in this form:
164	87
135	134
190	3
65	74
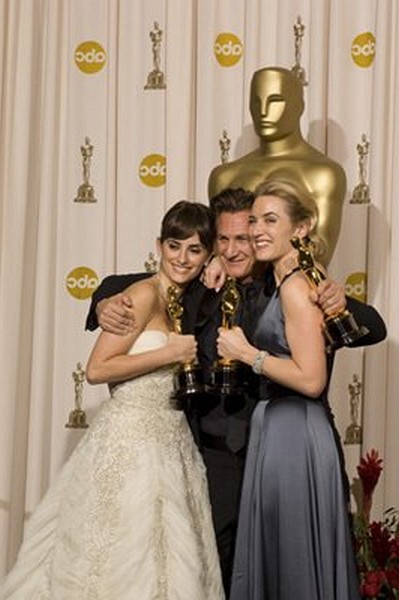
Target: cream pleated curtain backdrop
71	70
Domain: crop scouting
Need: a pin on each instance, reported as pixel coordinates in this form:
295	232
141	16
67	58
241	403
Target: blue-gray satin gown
293	540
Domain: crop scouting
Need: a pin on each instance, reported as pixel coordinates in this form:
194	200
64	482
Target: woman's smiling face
271	229
182	260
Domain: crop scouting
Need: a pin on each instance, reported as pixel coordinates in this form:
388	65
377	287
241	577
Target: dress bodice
151	390
270	333
149	339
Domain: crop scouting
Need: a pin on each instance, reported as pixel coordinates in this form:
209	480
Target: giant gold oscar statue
276	104
189	377
341	328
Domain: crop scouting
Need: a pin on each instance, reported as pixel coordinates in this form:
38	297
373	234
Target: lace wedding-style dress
129	516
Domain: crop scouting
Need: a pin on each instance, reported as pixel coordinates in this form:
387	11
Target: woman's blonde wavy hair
300	207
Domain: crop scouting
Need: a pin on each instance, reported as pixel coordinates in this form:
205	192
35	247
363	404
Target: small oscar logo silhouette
353	434
85	190
297	69
151	264
77	417
224	145
361	192
156	79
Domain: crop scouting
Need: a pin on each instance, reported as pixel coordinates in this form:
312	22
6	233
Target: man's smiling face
233	244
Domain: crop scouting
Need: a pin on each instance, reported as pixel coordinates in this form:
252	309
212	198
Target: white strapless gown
129	516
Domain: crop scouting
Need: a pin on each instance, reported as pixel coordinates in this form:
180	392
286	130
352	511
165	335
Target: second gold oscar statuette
226	374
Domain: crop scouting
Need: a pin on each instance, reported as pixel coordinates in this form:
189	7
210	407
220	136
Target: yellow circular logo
363	49
152	170
228	49
81	282
90	57
356	286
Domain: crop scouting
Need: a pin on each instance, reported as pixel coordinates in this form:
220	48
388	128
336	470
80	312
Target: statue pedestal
361	194
85	193
155	81
353	434
77	419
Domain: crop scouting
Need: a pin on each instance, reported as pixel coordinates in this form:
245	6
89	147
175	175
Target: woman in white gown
129	516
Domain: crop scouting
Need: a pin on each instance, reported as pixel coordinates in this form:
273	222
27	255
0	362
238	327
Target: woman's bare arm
305	371
109	360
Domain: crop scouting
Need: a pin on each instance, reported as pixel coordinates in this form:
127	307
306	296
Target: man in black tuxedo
220	424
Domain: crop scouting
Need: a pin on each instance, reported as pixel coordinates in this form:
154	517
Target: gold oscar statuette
188	376
226	375
361	192
354	434
85	190
155	78
77	417
340	329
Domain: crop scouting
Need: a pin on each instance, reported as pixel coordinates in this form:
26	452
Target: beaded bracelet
258	362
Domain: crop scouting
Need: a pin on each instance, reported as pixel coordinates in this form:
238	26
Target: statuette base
361	194
300	74
155	81
226	380
188	380
77	419
353	434
85	193
342	330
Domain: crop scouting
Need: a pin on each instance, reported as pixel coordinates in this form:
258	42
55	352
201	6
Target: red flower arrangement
377	542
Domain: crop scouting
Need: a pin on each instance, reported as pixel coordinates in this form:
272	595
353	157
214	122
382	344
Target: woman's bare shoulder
144	292
146	286
295	291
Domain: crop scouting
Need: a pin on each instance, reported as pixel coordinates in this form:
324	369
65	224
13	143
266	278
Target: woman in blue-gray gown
293	540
